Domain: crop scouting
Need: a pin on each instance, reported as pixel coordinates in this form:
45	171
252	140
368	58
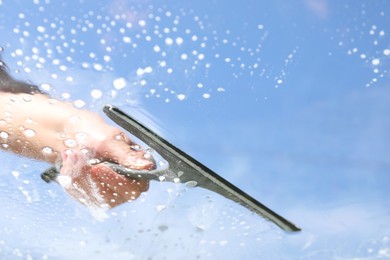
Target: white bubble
179	40
148	69
19	52
163	63
15	174
220	89
386	52
199	85
127	39
85	65
140	72
206	95
168	41
201	56
184	56
41	29
29	133
228	60
65	95
79	103
119	83
141	23
375	62
156	48
279	81
170	70
181	97
260	27
97	66
194	38
96	93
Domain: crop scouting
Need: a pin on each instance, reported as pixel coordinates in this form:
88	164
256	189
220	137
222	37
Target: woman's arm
40	127
34	125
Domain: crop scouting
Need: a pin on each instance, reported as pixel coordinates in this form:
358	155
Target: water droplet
93	162
4	135
19	52
191	183
184	56
79	103
181	97
375	62
15	174
135	147
119	83
70	143
96	94
179	40
97	67
127	39
119	137
168	41
29	133
65	95
148	69
81	137
47	150
41	29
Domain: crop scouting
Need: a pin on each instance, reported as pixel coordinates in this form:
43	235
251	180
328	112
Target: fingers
98	185
120	149
116	189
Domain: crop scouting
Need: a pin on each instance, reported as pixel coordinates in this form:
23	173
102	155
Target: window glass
287	100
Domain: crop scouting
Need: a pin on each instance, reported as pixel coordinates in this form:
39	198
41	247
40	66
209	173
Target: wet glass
288	101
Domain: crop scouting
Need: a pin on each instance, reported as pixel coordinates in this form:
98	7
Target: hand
97	185
88	137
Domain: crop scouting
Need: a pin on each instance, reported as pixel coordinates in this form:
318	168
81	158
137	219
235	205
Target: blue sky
288	101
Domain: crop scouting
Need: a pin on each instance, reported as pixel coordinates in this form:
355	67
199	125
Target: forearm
42	128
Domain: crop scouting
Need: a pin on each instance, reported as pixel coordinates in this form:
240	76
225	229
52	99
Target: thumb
125	152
